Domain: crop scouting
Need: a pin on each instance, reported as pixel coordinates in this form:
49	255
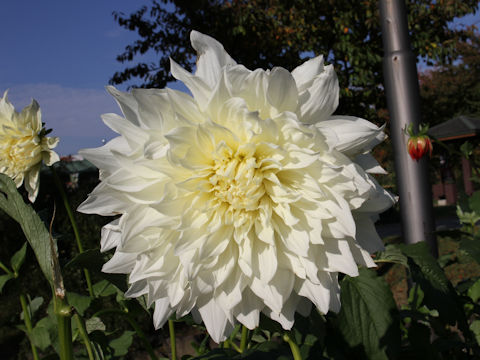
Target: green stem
235	346
28	324
135	327
84	335
293	346
66	203
64	313
243	341
6	269
173	340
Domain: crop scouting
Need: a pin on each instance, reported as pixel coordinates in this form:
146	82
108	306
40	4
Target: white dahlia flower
247	197
24	145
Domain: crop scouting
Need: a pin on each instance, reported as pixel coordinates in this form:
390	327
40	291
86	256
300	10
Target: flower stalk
173	340
244	339
6	269
64	314
68	208
293	346
84	335
28	325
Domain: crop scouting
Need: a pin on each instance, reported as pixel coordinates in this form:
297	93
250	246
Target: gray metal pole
403	100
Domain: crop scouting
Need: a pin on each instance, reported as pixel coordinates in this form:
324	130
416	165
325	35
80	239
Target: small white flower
23	145
248	197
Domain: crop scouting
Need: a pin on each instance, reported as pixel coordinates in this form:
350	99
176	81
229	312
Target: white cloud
73	114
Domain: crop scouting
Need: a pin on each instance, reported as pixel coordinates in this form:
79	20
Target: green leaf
35	231
93	261
474	202
391	254
268	349
40	337
104	288
79	302
93	324
120	345
33	306
218	354
438	292
367	318
44	332
3	280
18	258
471	248
475	328
474	291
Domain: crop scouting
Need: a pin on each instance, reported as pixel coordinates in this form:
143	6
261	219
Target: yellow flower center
236	177
18	154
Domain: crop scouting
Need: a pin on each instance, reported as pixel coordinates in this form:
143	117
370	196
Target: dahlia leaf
3	280
18	258
93	260
79	302
94	323
34	229
32	306
121	344
40	337
471	248
439	292
367	319
219	354
391	254
474	291
474	202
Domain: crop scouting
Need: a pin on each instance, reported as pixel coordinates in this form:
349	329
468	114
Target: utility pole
403	100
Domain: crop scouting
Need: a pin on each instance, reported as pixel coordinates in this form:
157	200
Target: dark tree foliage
266	33
453	89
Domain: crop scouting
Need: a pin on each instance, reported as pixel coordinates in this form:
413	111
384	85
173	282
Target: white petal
200	90
111	236
127	103
340	258
32	182
162	312
134	135
319	100
248	310
216	321
355	135
369	164
286	317
282	91
212	58
305	73
120	263
319	294
367	236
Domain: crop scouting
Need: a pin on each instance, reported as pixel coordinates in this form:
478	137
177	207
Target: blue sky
62	53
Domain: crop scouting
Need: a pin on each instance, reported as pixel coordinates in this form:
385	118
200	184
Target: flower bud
418	146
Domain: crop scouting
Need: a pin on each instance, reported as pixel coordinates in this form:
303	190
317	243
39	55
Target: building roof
457	128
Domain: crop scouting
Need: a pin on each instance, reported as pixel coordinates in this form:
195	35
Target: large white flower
24	145
248	197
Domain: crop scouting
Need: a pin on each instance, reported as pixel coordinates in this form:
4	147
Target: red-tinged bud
418	146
